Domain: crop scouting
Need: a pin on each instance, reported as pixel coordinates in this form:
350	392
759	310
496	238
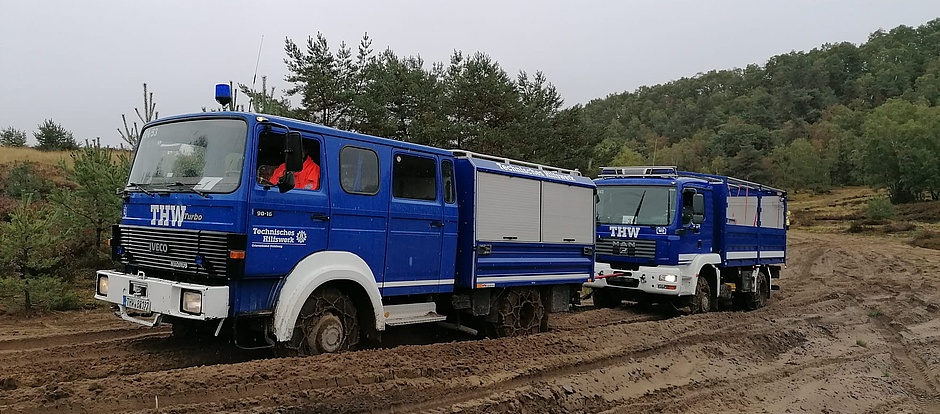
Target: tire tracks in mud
822	302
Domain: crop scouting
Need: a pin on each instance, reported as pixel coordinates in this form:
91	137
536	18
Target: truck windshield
639	205
203	156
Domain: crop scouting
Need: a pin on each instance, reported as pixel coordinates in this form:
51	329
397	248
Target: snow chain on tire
322	302
519	312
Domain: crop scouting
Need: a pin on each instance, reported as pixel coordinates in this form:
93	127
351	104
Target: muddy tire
702	301
603	298
327	324
758	299
519	311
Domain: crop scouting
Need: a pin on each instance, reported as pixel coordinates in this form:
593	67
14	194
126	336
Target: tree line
837	115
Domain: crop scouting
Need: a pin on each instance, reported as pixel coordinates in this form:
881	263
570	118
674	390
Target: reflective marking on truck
407	283
687	257
580	277
753	254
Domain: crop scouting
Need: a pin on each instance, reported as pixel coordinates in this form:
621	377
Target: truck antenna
255	76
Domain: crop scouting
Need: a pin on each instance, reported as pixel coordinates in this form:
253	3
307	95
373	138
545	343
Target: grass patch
874	313
11	155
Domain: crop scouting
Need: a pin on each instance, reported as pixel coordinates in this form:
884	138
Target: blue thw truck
689	239
392	233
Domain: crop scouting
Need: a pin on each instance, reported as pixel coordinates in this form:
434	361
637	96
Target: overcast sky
82	63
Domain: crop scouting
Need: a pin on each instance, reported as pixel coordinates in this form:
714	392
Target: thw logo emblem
624	231
167	215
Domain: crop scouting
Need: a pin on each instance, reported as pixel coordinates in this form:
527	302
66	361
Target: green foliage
470	103
51	136
880	208
29	242
627	157
799	166
901	150
46	293
24	182
12	137
97	174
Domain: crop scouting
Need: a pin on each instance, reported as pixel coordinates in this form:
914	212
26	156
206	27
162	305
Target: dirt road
855	329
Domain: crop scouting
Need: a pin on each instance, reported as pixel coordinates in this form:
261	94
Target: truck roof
668	175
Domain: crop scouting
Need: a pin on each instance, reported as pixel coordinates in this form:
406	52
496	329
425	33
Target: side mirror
698	208
293	153
286	183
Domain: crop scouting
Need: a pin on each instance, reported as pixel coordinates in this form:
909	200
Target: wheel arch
343	270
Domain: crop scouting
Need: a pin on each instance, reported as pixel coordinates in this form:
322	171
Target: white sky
82	63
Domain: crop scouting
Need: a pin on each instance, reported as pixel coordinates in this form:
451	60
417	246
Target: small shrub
880	208
23	181
899	227
874	313
46	294
862	343
858	227
926	239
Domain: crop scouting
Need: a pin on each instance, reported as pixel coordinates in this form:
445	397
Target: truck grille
644	249
175	251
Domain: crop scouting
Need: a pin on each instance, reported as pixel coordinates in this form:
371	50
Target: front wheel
702	301
327	324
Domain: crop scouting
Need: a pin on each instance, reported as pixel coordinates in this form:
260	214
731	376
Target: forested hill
839	114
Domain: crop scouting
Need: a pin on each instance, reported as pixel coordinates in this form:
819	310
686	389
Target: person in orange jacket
307	178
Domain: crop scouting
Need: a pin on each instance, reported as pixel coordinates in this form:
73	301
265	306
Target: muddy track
855	328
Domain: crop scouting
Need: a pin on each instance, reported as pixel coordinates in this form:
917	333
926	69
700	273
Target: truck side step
412	313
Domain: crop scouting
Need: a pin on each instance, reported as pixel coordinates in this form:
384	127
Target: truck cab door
415	226
283	228
695	238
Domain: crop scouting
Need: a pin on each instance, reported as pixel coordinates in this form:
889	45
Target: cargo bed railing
668	171
469	154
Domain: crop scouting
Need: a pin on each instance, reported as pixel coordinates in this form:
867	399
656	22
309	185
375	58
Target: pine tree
12	137
28	243
53	137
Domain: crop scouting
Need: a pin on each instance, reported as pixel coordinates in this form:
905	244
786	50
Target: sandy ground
855	329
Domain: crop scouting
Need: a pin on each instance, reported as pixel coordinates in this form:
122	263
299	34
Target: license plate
140	304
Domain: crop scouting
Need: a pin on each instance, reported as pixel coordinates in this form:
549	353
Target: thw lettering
624	231
167	215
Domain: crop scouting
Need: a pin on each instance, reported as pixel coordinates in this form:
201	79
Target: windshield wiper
640	204
138	187
190	188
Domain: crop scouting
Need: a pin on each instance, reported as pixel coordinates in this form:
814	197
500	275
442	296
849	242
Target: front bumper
660	280
162	297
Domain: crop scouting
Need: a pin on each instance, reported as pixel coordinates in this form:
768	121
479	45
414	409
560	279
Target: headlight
102	285
668	278
192	302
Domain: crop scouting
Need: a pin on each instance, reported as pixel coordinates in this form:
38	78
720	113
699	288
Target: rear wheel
520	311
761	296
604	298
327	324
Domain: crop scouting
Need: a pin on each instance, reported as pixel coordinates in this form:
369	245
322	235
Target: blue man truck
389	233
689	239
